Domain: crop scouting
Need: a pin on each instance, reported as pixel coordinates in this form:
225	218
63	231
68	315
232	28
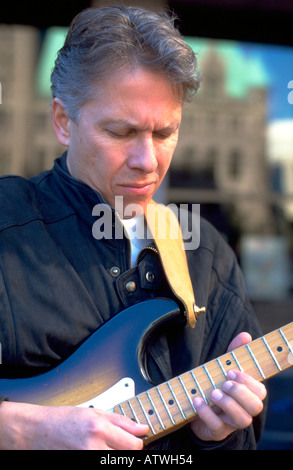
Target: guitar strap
165	229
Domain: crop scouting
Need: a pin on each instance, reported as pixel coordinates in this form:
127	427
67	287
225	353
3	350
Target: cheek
166	156
106	166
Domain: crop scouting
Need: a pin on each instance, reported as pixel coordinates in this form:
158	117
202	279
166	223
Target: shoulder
27	200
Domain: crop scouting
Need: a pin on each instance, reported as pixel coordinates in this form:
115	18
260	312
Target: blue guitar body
111	355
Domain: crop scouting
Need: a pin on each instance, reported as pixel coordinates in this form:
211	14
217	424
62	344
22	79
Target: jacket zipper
151	248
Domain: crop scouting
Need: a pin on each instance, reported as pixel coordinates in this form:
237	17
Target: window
235	164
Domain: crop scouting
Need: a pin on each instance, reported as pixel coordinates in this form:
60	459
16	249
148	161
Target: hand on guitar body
34	427
235	405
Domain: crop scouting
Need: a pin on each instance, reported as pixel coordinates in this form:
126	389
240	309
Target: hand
32	427
235	405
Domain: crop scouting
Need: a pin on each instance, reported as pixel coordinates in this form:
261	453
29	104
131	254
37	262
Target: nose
143	155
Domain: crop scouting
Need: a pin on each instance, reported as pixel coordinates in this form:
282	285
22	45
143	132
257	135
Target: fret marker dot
228	362
193	391
279	348
171	402
150	412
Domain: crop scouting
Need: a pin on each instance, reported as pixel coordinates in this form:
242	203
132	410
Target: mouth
139	185
139	188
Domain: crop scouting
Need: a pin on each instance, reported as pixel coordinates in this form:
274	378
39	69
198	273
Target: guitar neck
169	406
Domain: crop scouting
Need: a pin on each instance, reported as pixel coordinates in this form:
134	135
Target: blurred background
235	154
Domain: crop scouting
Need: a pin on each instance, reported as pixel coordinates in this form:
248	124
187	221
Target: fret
121	409
176	401
162	406
287	342
280	346
222	368
186	393
127	409
199	387
165	405
145	415
155	410
174	413
209	376
225	363
255	361
264	358
236	360
132	410
204	382
182	396
170	405
271	353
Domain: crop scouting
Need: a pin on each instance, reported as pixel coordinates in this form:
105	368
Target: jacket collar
81	197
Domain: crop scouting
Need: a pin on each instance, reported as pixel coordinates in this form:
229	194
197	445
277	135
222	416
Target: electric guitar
107	371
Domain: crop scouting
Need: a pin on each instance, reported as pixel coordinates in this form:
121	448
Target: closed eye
162	135
165	133
119	134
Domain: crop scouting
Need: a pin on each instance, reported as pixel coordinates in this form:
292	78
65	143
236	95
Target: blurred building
221	156
280	157
28	142
221	153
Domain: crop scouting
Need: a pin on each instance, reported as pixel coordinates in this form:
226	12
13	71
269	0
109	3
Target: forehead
130	92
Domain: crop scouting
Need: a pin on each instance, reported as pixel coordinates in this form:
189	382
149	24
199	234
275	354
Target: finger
121	438
233	412
211	425
127	424
129	443
120	432
132	427
254	385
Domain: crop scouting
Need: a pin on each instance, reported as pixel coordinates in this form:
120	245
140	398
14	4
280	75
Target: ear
61	122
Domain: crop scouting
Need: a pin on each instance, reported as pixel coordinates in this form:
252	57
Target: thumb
240	340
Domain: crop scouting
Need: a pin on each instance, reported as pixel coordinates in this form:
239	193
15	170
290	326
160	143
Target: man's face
123	143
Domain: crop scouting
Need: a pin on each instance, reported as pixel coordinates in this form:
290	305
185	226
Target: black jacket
57	286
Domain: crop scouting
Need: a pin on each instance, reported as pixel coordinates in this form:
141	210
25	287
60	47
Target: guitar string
264	350
245	354
261	345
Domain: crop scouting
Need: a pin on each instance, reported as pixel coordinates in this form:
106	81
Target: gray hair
100	40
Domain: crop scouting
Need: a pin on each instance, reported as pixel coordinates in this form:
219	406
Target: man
118	86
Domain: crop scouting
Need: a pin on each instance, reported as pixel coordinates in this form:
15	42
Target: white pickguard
119	392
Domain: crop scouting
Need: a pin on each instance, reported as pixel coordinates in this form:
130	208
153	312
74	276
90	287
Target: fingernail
231	374
227	385
197	402
217	394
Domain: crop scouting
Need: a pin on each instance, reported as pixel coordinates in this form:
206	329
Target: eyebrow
122	122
